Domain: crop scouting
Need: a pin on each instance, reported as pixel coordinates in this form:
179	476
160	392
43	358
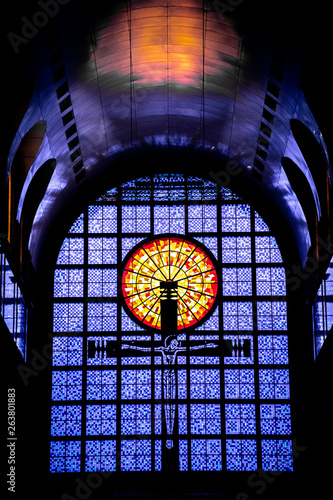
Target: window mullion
85	339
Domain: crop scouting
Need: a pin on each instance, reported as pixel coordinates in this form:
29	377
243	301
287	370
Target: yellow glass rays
169	259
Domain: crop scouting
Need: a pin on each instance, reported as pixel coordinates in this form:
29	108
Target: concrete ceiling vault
144	76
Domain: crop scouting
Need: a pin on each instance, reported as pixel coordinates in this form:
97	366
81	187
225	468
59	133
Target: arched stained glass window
170	335
169	268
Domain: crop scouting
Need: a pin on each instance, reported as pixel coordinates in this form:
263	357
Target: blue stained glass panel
101	420
67	317
240	418
183	455
273	349
67	351
66	420
259	223
197	378
275	419
237	316
241	454
66	385
182	384
135	419
102	282
135	455
100	455
267	250
202	218
169	219
205	384
236	218
205	418
274	384
102	317
236	250
271	281
239	384
272	315
135	219
182	416
102	219
136	384
77	226
128	243
102	250
158	418
237	281
101	384
158	455
65	456
206	455
277	455
71	252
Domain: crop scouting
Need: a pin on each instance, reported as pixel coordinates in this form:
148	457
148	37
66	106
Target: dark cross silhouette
168	351
169	354
104	348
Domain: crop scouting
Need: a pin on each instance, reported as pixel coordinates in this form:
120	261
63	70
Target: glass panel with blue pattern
227	387
323	309
12	305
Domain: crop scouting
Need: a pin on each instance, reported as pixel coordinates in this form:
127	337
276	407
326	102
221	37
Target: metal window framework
128	196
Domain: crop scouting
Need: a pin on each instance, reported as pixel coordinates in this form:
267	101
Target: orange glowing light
165	42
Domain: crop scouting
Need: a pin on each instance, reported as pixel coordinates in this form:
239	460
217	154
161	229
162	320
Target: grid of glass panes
12	305
231	399
323	309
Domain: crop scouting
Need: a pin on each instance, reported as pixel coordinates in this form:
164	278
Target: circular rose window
169	267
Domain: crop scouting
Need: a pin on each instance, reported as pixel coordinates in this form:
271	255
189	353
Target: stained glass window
323	309
12	305
170	347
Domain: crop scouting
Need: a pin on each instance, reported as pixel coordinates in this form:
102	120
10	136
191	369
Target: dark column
168	308
170	457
